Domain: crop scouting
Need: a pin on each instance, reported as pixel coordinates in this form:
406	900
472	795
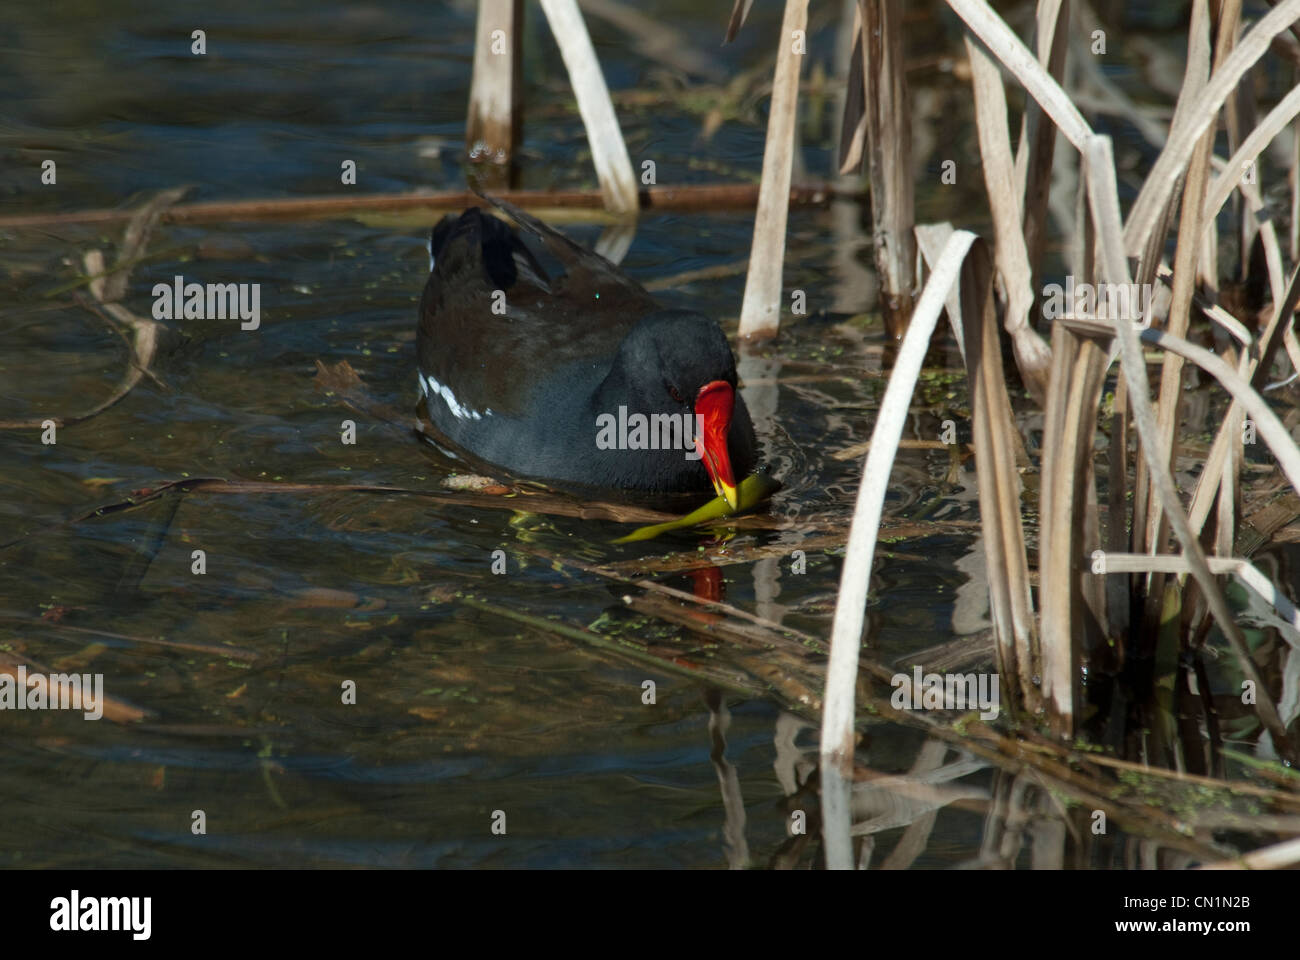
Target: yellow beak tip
729	494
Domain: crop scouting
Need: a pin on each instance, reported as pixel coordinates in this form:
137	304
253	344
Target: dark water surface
459	712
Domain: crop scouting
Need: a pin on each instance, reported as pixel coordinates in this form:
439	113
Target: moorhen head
583	380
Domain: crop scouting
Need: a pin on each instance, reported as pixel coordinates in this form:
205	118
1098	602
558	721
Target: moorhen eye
672	392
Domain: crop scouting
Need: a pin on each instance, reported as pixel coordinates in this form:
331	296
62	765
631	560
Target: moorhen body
545	376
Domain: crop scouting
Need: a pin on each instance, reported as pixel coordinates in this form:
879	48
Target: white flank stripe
436	389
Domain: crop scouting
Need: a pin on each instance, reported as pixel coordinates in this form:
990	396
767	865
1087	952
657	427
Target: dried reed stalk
1033	356
492	127
1067	537
760	312
883	136
996	441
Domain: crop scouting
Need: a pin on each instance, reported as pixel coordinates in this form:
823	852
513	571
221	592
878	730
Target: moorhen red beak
580	379
713	404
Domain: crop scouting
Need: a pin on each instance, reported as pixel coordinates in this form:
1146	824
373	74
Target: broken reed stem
492	127
889	157
760	311
837	733
1277	857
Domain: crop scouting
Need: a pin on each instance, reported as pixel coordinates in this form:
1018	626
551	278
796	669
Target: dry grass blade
115	710
571	206
1266	421
134	241
608	151
760	312
1293	178
837	737
1267	237
1032	355
1016	57
30	622
1239	163
996	440
853	123
1228	433
514	501
930	241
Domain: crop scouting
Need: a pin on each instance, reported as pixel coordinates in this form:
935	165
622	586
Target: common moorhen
545	376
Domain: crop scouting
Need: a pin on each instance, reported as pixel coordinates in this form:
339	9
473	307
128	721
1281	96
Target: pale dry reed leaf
618	183
996	441
760	310
837	736
1033	356
1003	43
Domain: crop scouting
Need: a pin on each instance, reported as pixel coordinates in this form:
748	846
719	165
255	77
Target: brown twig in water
234	653
108	287
692	197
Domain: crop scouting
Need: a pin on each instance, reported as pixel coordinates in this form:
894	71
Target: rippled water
459	711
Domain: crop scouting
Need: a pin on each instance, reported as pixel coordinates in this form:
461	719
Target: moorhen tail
581	380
